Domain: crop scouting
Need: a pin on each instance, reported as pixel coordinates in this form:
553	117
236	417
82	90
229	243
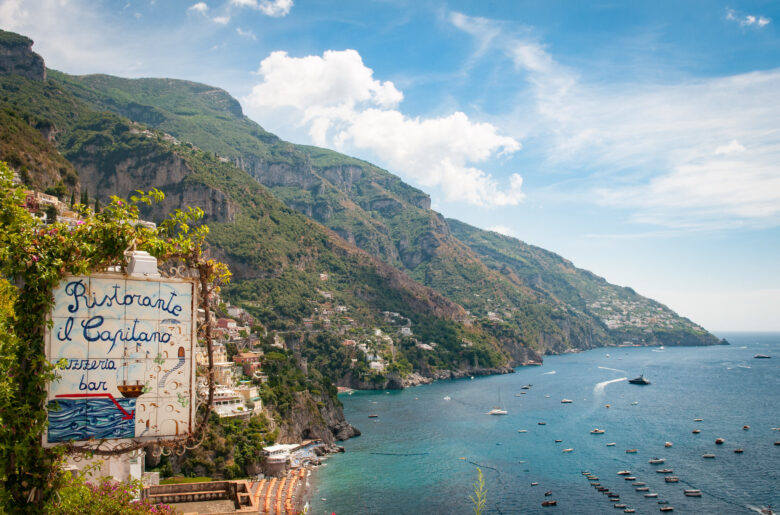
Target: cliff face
315	417
17	57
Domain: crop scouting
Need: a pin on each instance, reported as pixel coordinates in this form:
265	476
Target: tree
34	258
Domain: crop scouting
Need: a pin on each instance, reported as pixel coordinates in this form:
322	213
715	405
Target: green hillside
529	300
276	254
626	314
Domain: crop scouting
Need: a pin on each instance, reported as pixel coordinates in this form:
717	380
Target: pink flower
36	259
80	222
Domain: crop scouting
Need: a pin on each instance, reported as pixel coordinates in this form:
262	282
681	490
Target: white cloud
274	8
502	229
650	146
200	7
748	19
337	98
246	34
222	20
733	147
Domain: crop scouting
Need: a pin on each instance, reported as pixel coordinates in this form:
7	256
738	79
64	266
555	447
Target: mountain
531	301
286	266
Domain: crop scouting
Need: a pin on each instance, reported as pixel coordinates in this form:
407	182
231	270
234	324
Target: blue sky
641	140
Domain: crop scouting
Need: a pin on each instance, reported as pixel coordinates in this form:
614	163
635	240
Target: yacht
761	356
566	401
692	493
656	461
497	411
597	431
639	380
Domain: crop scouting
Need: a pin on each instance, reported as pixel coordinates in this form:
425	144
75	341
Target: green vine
33	260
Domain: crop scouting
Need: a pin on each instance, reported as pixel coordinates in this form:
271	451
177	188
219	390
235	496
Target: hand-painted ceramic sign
127	345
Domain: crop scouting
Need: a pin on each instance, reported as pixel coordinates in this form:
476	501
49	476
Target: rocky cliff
17	57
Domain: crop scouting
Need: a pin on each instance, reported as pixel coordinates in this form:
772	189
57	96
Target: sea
422	452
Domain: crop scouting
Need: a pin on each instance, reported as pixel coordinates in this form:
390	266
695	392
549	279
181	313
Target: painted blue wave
82	419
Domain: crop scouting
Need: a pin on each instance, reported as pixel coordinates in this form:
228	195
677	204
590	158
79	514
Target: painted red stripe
82	395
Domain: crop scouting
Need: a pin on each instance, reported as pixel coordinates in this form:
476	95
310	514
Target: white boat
447	398
656	461
597	431
498	410
566	401
611	444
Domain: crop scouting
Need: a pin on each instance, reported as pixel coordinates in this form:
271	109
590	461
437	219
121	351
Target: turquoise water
408	459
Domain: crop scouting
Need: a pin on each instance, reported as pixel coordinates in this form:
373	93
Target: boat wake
548	373
613	369
599	388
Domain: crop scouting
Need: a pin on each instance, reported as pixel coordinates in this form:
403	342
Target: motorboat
668	444
535	483
522	430
620	505
697	420
597	431
549	503
629	510
643	489
708	456
767	510
541	423
630	451
568	450
447	398
692	493
630	478
548	493
745	427
624	473
639	380
719	441
667	508
566	401
497	411
526	387
558	441
639	483
373	416
672	479
656	461
761	356
738	451
696	431
651	496
611	444
664	471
